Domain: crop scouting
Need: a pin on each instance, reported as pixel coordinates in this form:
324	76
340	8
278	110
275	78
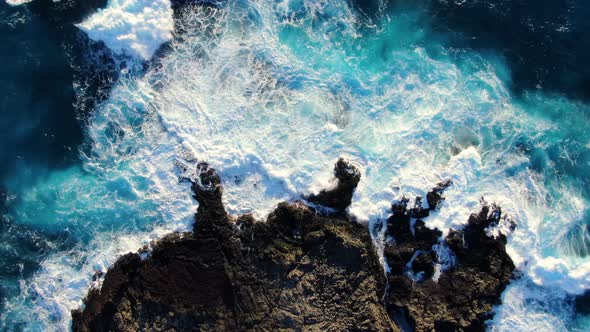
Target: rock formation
302	269
461	298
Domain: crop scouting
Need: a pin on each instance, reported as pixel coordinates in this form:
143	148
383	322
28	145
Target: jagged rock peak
207	190
304	270
339	198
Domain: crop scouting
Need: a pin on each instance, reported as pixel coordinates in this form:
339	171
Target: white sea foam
271	96
527	307
17	2
127	195
236	108
133	27
63	280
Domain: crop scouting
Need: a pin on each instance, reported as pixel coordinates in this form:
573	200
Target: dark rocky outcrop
300	270
339	197
463	296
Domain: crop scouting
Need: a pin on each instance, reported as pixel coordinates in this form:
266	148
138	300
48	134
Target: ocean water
33	134
271	94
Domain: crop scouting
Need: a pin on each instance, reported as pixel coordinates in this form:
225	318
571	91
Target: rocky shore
477	272
307	267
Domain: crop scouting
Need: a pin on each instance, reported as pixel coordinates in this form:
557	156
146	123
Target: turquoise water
271	94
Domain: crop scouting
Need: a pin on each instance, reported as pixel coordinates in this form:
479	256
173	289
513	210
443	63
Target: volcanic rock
340	197
462	297
297	271
302	270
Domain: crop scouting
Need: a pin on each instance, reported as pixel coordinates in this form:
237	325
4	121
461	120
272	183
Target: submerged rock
300	270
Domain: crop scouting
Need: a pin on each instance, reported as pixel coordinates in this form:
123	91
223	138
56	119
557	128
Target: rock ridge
308	267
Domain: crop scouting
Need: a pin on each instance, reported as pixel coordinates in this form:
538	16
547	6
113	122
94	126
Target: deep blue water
39	131
39	125
492	93
542	41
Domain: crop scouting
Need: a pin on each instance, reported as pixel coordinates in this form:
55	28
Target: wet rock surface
302	269
477	268
339	198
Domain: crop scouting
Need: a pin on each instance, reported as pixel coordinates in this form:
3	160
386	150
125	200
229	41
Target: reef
309	266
